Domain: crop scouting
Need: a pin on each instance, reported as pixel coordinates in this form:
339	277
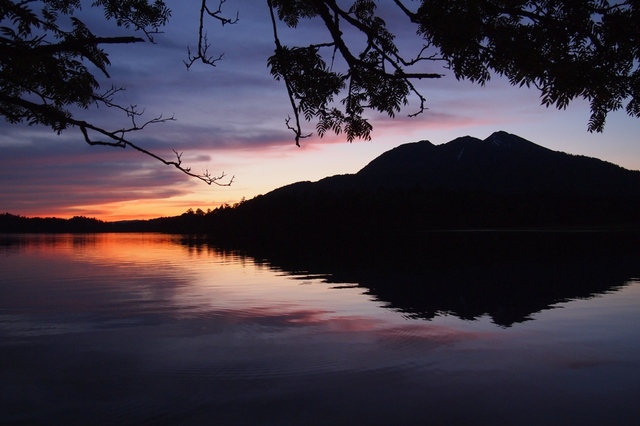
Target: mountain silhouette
501	164
502	182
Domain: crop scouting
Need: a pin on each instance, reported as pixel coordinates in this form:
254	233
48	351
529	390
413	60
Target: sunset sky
231	119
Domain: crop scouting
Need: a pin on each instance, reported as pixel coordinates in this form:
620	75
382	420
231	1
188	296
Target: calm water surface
147	329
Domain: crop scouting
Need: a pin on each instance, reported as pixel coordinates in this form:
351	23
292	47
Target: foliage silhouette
44	77
566	49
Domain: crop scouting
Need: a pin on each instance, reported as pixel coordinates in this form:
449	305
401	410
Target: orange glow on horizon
129	210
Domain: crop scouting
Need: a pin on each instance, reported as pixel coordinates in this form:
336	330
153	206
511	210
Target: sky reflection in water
142	329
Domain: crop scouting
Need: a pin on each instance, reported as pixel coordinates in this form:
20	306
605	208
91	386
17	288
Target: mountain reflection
507	276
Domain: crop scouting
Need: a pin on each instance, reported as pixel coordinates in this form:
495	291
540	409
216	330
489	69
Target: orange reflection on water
198	279
174	276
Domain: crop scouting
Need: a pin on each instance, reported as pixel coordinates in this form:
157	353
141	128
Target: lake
168	329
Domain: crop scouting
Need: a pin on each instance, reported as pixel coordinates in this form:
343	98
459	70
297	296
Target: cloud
52	174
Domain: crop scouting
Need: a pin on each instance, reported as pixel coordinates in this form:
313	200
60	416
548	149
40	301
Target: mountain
502	164
501	182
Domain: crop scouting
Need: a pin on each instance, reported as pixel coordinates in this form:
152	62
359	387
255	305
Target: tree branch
203	40
46	114
297	130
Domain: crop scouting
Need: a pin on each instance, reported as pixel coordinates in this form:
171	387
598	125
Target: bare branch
218	12
118	140
296	130
46	114
201	54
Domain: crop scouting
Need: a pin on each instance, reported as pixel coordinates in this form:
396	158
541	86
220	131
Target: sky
231	119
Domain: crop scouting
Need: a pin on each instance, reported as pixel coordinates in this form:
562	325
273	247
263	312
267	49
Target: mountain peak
502	163
500	138
504	139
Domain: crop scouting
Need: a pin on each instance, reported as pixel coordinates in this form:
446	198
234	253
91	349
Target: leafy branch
312	85
43	71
